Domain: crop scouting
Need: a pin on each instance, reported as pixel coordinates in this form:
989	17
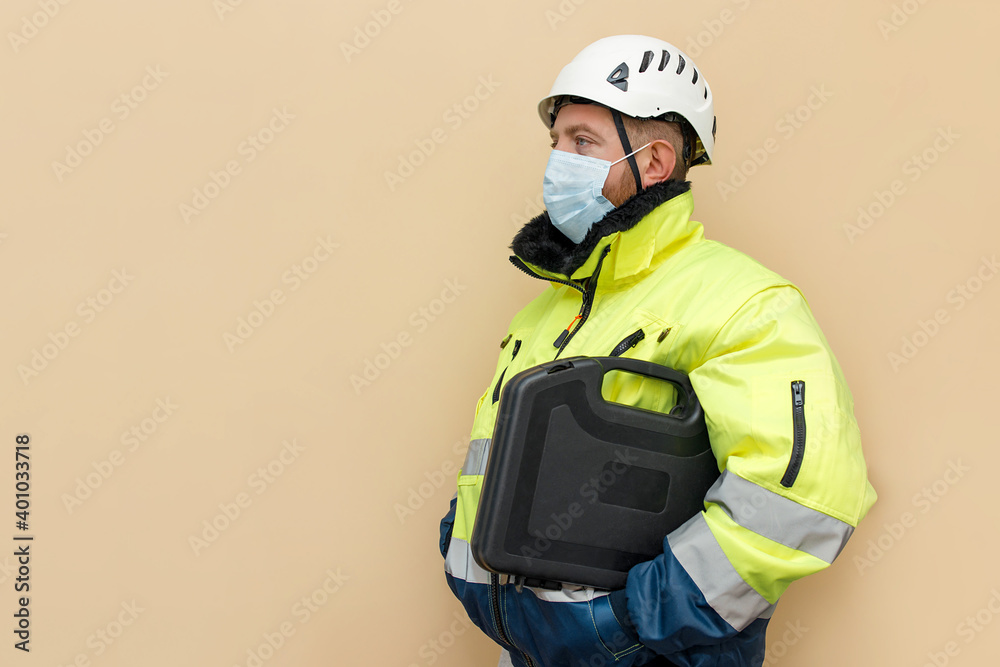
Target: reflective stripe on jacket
780	419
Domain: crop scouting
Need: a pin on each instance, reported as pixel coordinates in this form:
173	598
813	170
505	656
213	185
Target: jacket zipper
565	332
588	297
496	390
630	341
495	604
495	578
561	342
799	437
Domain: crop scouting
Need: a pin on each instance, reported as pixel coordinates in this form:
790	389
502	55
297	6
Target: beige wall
170	286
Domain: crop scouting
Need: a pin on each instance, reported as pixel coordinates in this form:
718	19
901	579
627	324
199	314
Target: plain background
418	293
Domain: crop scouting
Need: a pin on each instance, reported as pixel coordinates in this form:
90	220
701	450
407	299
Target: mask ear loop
620	126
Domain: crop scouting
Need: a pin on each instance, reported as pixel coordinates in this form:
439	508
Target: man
630	273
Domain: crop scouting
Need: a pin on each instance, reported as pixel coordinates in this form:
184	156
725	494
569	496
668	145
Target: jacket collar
642	232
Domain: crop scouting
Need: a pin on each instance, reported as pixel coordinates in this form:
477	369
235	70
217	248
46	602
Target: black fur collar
541	244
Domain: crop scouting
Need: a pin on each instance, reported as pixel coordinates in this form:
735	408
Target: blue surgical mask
572	191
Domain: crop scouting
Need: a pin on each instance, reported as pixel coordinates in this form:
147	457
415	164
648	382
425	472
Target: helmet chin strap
620	126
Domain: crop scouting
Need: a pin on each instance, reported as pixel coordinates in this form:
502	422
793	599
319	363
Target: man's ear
662	160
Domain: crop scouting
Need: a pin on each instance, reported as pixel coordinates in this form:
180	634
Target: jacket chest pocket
650	338
511	352
499	380
506	366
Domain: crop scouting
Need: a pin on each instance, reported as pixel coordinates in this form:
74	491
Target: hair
643	131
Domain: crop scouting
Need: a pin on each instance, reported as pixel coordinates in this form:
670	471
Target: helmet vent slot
664	59
647	58
680	63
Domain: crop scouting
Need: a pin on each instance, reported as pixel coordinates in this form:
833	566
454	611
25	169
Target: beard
619	191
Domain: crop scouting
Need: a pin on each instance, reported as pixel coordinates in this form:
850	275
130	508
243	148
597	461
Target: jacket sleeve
793	485
446	525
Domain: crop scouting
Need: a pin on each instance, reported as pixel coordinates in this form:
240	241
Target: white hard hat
643	77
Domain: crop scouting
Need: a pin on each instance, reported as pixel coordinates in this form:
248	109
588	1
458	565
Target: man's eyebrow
578	127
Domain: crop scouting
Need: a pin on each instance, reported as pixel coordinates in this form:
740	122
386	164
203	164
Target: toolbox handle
692	407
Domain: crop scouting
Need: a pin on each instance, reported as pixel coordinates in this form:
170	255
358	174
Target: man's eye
580	141
553	145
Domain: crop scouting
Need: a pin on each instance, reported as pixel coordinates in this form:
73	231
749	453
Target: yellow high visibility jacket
645	283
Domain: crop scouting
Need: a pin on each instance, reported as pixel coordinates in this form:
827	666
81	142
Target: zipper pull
565	332
628	343
798	393
506	340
